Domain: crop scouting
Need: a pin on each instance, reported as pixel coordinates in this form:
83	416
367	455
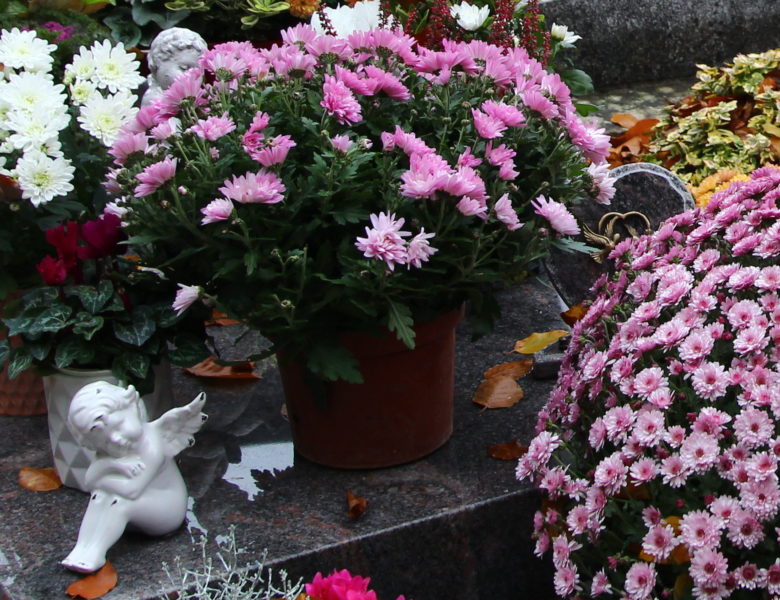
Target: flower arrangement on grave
54	144
97	308
658	449
729	120
328	185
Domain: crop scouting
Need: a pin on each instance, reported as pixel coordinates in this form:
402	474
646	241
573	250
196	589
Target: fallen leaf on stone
356	505
498	392
210	368
631	145
539	341
515	369
574	314
508	451
625	120
220	318
39	480
95	585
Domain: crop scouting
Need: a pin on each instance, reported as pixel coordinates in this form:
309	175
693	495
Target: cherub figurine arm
134	479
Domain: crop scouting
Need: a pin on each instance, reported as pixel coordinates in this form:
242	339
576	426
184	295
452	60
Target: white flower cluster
34	109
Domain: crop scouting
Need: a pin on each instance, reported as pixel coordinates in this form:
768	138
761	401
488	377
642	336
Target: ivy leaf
400	321
18	324
73	351
51	319
39	349
333	362
87	325
5	350
40	297
135	363
189	350
20	361
139	330
93	299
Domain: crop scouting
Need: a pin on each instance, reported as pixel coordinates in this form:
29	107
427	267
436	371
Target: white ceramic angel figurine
134	479
172	52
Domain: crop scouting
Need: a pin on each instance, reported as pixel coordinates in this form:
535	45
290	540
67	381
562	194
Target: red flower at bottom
53	270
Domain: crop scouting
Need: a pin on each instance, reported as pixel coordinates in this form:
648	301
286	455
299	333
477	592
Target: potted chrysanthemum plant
658	449
361	185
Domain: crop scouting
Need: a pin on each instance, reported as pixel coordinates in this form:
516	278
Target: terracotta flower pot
23	395
401	412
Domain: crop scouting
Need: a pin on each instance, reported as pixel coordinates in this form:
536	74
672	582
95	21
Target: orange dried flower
303	9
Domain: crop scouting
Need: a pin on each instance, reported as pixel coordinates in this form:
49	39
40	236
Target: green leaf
43	296
188	350
20	361
401	322
585	109
39	349
52	319
93	299
333	362
579	81
73	351
134	363
87	325
120	22
5	350
139	330
570	245
18	324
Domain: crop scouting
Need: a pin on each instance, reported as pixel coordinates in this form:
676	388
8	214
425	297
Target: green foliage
729	120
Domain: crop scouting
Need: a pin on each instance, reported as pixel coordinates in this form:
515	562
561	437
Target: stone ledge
648	40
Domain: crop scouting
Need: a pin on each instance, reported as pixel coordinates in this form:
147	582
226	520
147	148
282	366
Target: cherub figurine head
107	418
171	53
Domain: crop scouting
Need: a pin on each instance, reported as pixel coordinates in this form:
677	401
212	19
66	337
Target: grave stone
645	196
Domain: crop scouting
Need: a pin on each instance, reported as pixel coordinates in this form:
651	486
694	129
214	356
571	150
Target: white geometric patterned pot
71	459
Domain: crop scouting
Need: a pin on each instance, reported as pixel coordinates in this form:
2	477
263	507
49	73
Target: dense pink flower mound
658	450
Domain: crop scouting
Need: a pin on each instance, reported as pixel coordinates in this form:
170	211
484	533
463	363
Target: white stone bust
133	479
172	52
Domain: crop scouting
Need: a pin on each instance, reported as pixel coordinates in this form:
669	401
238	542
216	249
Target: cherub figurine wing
177	426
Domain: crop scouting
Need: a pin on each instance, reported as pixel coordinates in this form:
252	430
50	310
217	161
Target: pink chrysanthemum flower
506	214
341	143
339	101
217	210
384	240
213	128
419	250
262	187
153	176
487	127
557	214
128	144
185	297
640	581
510	115
274	151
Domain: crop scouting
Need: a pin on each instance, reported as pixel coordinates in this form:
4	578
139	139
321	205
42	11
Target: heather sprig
658	449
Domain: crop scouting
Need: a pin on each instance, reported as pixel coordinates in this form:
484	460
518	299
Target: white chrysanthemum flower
104	117
114	68
346	20
36	130
25	50
468	16
34	93
81	67
42	178
566	38
82	90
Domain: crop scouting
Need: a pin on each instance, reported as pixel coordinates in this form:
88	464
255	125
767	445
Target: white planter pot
71	459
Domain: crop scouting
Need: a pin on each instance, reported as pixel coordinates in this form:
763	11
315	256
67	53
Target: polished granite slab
453	525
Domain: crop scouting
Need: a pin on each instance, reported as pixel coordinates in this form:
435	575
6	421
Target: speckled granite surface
650	40
453	525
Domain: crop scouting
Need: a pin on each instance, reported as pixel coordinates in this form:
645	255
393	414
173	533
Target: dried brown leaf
95	585
539	341
514	369
625	120
39	480
507	451
498	392
210	368
574	314
356	505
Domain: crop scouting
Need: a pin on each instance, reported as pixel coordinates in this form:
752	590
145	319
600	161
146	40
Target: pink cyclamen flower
262	187
557	214
340	102
213	128
153	176
506	214
217	210
384	240
185	296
